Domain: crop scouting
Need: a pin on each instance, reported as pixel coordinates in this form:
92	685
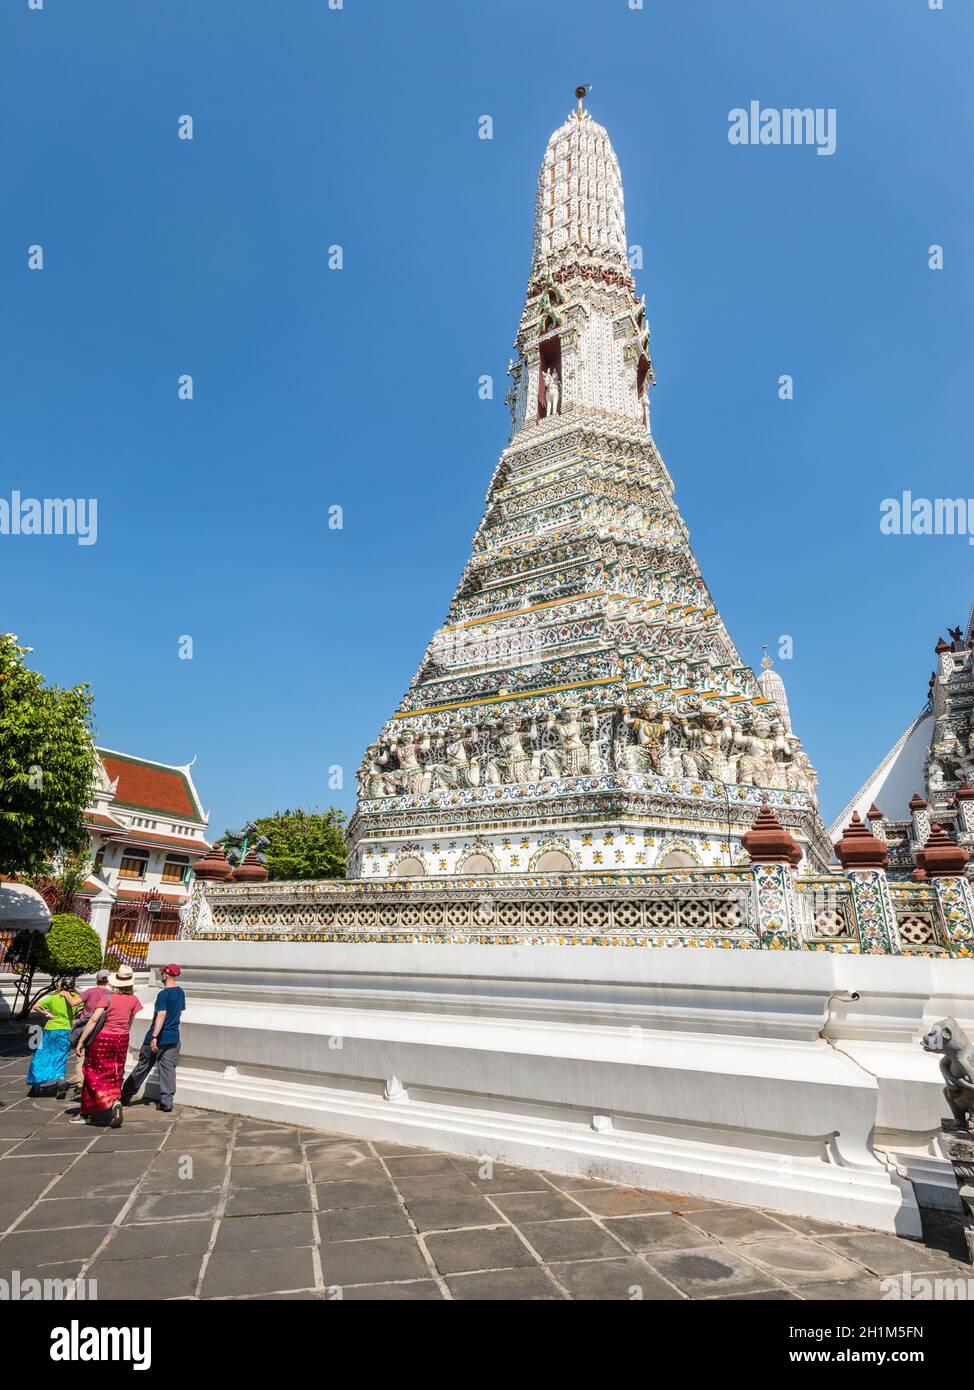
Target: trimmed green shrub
70	947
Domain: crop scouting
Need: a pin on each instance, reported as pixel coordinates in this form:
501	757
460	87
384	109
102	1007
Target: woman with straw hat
106	1035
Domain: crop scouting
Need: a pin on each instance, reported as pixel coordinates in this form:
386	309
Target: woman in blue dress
48	1064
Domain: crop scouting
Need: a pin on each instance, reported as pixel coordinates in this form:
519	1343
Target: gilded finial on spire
766	660
581	93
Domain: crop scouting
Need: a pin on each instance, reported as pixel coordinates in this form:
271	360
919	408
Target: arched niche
677	859
552	861
477	864
410	867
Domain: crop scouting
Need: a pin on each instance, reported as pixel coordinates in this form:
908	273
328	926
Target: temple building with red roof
147	828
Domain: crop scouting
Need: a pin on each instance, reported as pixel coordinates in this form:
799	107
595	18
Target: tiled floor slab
505	1285
462	1252
244	1234
228	1274
148	1240
416	1291
623	1279
175	1276
197	1203
362	1223
571	1240
373	1261
798	1260
451	1214
658	1231
56	1213
710	1271
736	1223
619	1201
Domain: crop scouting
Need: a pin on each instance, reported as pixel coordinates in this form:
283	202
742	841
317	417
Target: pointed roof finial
768	842
766	660
581	93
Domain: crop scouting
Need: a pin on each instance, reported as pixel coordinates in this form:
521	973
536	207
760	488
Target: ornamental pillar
877	823
101	914
214	867
955	900
532	362
775	854
864	858
920	822
941	856
945	863
964	799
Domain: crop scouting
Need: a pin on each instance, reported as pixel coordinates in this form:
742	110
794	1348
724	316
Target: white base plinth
690	1071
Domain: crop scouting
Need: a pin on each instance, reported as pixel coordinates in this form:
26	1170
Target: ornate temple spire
583	679
579	213
583	340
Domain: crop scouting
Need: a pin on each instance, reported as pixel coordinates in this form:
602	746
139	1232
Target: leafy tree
70	947
47	764
68	875
294	844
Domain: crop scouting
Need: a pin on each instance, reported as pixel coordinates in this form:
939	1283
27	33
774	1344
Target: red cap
172	970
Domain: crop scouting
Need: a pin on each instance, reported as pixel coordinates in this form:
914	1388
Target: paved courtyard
202	1205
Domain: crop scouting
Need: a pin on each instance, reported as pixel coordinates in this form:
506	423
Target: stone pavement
203	1205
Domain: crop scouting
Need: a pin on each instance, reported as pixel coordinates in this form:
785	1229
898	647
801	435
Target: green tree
70	947
47	764
64	881
295	844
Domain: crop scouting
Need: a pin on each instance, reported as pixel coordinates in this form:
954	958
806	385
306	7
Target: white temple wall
616	846
740	1076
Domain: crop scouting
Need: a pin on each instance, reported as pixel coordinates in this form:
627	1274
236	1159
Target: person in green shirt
48	1064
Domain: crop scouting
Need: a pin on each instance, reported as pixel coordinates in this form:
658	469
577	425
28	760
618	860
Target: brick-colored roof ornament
917	802
768	842
942	646
859	847
214	867
941	856
964	792
874	813
251	870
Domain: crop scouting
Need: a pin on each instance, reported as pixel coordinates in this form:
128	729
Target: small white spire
773	688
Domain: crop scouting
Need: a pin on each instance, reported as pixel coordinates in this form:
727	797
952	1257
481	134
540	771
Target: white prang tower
583	706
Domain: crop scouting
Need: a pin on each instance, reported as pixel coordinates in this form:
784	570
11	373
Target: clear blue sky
359	387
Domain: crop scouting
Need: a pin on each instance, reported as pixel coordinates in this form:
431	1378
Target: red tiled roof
91	888
149	837
97	820
149	786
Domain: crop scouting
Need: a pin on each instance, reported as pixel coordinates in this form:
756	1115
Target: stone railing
756	906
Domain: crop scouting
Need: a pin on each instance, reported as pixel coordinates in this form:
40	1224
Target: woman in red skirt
104	1055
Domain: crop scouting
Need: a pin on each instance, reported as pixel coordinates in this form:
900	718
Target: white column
101	911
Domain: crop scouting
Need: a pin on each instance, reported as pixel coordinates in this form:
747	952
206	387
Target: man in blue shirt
161	1046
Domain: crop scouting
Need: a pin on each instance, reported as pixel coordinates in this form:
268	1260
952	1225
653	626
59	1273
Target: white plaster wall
738	1075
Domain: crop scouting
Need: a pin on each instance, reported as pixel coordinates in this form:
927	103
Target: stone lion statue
956	1066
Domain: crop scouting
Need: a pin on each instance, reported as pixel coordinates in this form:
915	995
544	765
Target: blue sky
315	388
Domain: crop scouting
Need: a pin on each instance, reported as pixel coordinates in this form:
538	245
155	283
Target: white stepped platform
688	1070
